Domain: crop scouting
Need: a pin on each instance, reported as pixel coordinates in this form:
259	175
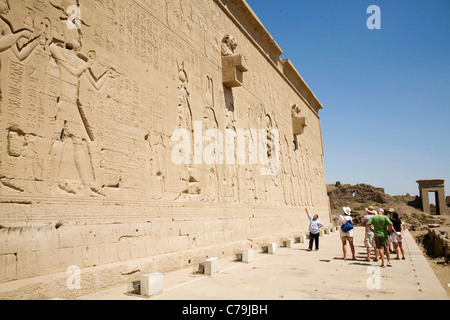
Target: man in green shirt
382	225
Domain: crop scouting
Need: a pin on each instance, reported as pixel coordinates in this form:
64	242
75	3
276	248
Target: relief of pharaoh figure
156	164
72	130
184	107
184	121
9	39
210	179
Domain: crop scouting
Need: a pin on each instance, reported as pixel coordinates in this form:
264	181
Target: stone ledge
99	278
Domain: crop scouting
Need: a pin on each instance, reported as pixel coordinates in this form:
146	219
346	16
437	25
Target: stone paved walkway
295	274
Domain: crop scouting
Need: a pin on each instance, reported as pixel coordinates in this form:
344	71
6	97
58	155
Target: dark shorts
382	242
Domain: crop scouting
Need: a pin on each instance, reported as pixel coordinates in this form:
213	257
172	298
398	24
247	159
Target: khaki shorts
369	242
349	239
382	242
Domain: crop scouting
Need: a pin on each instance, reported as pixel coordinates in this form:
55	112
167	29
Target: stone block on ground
288	243
270	248
248	256
151	284
209	267
302	239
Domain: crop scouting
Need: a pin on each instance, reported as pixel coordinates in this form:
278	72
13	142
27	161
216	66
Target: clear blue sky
386	93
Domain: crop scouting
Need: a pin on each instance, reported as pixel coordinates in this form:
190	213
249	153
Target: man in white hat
369	235
381	225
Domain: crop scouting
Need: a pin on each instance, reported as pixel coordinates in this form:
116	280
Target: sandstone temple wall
90	100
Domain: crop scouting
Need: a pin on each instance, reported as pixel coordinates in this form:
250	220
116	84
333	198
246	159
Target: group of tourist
382	230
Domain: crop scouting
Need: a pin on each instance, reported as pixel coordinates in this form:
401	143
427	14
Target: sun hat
370	209
347	210
391	210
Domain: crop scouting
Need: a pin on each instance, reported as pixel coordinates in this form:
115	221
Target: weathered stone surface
90	108
211	266
302	238
151	284
8	267
248	256
272	248
288	243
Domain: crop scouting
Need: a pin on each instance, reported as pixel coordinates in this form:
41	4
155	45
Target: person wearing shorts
346	236
397	236
369	241
382	224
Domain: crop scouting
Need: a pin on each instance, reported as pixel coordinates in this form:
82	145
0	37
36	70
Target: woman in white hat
345	222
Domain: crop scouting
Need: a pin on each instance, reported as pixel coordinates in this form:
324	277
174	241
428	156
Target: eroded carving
229	44
10	38
233	65
298	121
72	132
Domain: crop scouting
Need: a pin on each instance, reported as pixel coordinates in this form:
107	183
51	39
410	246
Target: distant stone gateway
436	187
91	92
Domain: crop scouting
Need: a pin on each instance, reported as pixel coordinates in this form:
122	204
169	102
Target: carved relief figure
210	181
230	181
181	16
184	107
209	95
186	173
156	165
10	38
71	125
287	174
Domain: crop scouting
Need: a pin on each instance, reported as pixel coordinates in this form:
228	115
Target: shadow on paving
296	274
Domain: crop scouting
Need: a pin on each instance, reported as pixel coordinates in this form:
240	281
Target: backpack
347	226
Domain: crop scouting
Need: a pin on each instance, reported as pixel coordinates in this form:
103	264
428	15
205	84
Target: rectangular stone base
289	243
209	267
151	284
271	248
301	238
248	256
